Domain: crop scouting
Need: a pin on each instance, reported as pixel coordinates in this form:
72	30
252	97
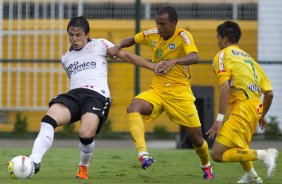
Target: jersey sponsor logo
260	109
185	37
151	31
171	46
253	87
75	67
220	62
237	52
159	53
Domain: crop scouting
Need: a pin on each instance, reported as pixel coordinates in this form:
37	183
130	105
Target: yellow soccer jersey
179	45
246	77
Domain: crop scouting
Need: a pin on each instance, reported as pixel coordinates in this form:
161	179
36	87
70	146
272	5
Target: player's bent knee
196	140
198	143
86	141
87	133
48	119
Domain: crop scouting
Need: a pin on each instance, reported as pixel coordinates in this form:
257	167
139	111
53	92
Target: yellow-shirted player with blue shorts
174	51
242	81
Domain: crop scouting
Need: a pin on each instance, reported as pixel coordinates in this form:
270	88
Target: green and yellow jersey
245	76
179	45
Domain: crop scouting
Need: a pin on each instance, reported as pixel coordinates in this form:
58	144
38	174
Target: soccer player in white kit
88	99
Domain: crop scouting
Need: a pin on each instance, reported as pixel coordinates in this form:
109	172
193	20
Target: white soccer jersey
87	68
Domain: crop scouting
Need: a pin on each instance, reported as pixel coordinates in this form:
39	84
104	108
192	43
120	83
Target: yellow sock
247	166
137	131
239	155
203	153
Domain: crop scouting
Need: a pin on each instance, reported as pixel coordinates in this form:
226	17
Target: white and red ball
21	167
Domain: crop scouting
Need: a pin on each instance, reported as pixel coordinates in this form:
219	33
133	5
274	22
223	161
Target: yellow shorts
238	129
177	102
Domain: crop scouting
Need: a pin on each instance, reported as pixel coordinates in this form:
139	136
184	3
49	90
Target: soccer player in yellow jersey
173	51
242	81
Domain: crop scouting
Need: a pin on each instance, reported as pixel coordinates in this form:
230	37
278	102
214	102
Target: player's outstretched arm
127	42
136	60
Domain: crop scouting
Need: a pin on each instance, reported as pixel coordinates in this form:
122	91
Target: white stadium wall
270	49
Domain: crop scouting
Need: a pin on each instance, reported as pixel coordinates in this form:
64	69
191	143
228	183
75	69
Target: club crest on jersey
171	46
159	53
154	43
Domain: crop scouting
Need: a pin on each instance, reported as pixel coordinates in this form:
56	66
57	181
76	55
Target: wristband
220	117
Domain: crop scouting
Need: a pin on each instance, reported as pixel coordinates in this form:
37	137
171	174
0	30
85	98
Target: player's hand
156	70
112	52
213	131
165	66
262	123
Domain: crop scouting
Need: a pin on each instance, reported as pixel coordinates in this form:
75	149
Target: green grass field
112	166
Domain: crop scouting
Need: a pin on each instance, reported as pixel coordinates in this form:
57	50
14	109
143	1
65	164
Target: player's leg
143	106
88	128
137	129
225	150
136	125
236	134
57	115
183	111
94	110
202	150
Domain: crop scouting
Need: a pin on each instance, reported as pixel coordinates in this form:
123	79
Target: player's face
165	27
77	37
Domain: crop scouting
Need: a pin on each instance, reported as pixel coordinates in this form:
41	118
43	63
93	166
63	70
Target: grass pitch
120	166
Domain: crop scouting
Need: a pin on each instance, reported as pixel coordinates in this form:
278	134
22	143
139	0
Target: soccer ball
21	167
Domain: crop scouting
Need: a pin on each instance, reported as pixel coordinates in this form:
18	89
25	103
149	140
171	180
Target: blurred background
33	37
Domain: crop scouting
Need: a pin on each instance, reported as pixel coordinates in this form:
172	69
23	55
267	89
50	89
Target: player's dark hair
231	30
172	14
79	22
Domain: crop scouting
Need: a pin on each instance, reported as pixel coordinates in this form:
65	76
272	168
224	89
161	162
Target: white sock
252	172
142	153
43	142
207	165
86	152
261	154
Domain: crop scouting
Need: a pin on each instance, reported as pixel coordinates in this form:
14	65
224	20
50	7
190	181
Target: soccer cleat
250	178
82	172
146	161
36	167
270	161
207	173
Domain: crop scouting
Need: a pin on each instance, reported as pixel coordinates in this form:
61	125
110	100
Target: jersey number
253	67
